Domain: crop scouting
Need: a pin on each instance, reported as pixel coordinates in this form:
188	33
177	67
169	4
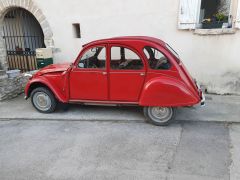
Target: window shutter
238	16
188	14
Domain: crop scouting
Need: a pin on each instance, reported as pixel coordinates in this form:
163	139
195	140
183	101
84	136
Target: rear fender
167	92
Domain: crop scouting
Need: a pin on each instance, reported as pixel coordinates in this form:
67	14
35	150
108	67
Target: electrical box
44	57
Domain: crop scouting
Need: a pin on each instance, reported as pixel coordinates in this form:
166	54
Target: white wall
213	60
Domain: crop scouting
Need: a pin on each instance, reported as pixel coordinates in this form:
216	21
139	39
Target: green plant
220	16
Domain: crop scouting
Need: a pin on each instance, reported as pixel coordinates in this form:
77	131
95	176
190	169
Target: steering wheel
123	65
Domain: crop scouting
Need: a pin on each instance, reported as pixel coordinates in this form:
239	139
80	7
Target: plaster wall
212	59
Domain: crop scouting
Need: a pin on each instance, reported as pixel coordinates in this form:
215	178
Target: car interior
124	58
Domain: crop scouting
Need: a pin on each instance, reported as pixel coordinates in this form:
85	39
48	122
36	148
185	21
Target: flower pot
212	25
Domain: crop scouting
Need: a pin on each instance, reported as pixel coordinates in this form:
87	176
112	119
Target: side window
124	58
156	59
93	58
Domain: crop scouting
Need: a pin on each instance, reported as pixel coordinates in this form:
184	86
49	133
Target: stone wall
12	87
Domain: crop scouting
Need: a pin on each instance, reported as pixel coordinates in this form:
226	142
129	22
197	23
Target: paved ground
118	150
218	108
89	142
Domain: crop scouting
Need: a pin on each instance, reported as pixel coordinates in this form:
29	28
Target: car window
93	58
125	59
156	59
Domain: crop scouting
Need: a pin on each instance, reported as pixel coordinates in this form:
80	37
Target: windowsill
214	31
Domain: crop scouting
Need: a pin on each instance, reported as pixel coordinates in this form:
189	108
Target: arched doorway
22	35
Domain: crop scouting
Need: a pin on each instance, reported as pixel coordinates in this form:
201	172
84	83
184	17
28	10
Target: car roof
145	39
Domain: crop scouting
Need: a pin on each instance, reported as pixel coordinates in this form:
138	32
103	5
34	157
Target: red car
141	71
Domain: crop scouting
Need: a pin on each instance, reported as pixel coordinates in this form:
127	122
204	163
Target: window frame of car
129	48
85	50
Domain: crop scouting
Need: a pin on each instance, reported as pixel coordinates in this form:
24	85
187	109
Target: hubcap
42	101
160	114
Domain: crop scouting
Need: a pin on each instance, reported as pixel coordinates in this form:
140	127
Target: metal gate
22	35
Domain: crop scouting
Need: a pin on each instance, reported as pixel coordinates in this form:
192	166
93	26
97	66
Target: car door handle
104	73
142	74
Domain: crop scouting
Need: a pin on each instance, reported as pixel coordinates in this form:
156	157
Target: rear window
156	59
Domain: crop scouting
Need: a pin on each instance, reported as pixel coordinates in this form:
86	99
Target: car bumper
201	94
203	100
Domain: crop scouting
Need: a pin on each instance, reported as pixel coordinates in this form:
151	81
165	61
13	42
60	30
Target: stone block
12	87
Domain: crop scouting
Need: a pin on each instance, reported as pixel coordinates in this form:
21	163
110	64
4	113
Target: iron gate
22	35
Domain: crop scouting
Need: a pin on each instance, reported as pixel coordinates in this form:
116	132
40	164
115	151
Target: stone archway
29	5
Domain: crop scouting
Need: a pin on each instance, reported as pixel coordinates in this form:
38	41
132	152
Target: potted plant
215	22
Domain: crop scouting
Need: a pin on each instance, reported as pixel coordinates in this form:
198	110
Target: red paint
146	87
88	84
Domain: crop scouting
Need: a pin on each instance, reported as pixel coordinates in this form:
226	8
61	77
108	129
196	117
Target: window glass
93	58
156	59
124	58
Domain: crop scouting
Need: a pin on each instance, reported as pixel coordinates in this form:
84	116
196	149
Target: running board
103	103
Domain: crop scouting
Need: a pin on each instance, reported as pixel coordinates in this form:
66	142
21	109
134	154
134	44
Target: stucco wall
213	60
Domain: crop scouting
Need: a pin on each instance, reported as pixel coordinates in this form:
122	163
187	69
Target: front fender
167	92
43	81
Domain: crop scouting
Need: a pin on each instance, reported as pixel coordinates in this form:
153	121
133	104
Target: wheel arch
40	83
35	85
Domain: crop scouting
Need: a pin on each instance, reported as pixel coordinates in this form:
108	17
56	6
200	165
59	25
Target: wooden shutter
188	13
238	16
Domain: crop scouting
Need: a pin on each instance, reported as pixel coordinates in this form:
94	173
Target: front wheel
159	116
43	100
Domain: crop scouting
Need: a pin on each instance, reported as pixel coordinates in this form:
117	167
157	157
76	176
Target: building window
76	30
208	14
215	14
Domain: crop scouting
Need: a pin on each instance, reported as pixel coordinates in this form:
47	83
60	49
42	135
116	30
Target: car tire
159	116
43	100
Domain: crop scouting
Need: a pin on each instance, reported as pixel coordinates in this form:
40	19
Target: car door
89	78
126	74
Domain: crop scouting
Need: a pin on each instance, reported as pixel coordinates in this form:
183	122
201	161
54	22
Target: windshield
173	52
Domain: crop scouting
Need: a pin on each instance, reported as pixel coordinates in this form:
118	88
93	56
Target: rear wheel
159	116
43	100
